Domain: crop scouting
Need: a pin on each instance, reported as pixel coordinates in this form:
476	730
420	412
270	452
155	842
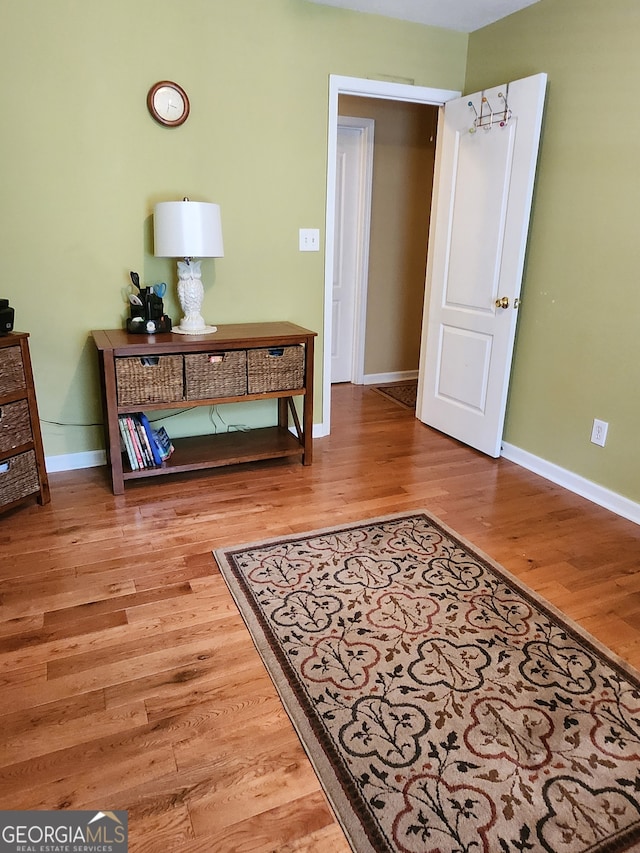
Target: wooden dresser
22	467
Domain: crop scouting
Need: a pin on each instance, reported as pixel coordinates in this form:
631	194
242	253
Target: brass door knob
503	302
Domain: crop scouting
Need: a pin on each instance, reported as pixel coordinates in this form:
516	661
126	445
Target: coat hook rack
488	117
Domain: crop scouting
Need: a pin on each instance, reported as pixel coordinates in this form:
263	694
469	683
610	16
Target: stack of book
145	446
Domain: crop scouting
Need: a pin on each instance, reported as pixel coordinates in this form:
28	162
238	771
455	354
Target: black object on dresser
6	317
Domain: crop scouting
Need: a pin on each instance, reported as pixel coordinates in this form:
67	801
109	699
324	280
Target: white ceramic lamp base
191	295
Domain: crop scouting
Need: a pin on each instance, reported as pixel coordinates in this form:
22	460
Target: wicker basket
149	379
18	477
11	370
275	369
219	374
15	425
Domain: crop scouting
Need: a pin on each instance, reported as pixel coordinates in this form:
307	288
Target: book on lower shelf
163	442
125	442
150	440
145	447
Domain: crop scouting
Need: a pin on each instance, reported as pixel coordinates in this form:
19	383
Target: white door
488	147
351	253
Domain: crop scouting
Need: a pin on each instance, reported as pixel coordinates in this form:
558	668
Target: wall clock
168	103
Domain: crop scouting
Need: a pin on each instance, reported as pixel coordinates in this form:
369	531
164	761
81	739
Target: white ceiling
462	15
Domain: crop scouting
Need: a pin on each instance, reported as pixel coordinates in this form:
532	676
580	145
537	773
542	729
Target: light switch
309	239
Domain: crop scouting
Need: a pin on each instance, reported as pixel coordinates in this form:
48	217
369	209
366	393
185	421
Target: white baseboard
574	483
75	461
381	378
320	430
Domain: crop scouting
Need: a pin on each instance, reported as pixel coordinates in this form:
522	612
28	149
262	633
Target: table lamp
188	229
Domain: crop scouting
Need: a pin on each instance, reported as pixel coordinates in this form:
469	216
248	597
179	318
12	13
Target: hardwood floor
128	680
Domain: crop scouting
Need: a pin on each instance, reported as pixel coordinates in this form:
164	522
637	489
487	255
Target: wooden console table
118	350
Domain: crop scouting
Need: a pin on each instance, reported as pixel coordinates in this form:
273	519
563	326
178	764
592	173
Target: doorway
361	88
389	304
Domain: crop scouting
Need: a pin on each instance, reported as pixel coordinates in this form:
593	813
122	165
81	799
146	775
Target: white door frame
339	85
362	230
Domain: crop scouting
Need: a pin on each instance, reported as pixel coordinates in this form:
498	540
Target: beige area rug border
311	742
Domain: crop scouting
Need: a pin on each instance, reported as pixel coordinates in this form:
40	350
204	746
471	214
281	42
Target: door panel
467	357
482	199
479	206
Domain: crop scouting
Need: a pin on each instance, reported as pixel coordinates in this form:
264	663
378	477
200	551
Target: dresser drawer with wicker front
149	379
214	375
15	425
12	376
18	477
275	369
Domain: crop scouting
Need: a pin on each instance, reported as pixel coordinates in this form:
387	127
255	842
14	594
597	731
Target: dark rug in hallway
446	707
404	393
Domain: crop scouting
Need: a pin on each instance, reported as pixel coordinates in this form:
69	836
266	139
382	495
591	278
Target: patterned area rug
404	393
445	707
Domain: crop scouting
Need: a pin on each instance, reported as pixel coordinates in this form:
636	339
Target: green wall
83	162
578	346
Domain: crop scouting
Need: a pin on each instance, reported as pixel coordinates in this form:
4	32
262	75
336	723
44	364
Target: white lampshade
187	229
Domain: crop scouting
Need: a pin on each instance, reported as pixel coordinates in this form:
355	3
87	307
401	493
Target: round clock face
168	103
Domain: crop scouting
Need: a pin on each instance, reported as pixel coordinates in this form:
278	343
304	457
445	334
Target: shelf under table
229	448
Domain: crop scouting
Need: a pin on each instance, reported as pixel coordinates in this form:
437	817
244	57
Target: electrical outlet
309	239
599	432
